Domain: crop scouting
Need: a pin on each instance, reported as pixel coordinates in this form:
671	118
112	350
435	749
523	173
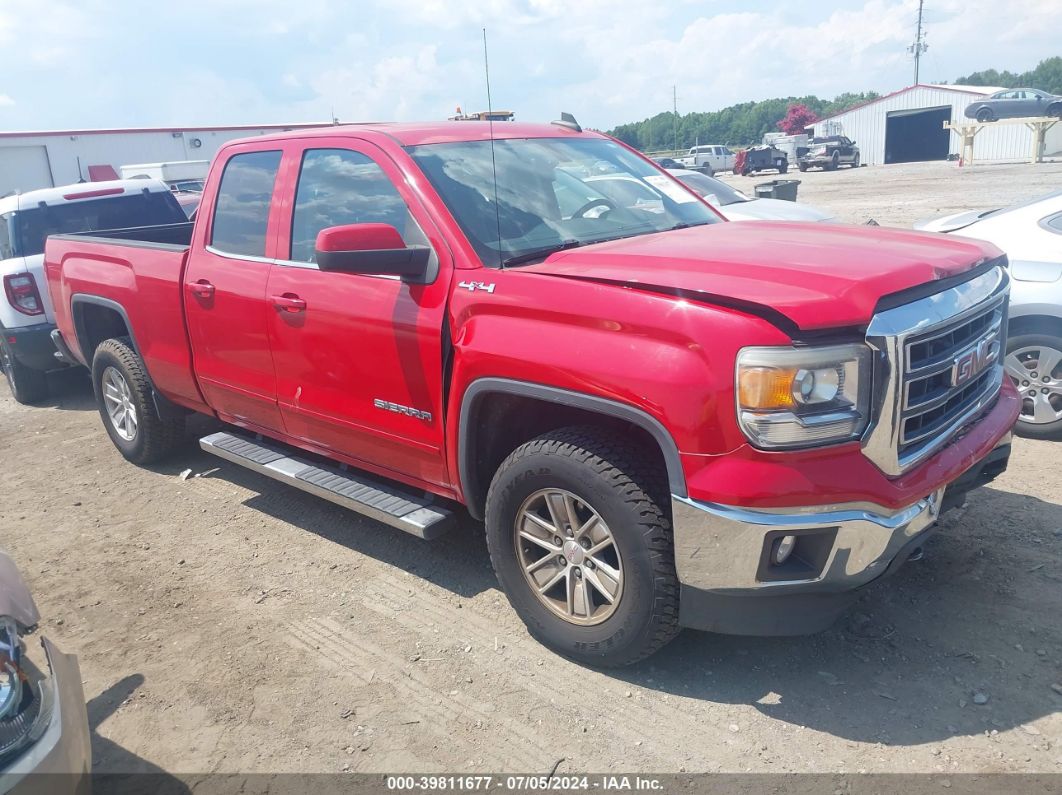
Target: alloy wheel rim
118	400
568	556
1036	371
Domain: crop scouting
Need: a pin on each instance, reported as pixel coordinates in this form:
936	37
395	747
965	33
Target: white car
1031	236
736	206
26	219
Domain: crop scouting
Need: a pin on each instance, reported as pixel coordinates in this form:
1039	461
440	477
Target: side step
359	492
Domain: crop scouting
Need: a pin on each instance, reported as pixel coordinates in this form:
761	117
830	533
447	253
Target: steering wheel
599	202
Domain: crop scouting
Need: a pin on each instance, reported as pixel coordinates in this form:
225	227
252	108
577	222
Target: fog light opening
783	549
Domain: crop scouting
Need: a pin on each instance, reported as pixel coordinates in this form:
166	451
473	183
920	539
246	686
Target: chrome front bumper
723	548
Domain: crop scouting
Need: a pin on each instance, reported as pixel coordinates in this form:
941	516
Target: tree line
744	124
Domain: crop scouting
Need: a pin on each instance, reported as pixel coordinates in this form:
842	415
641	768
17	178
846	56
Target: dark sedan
1015	103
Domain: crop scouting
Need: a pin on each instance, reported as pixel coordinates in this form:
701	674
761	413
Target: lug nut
557	540
1032	393
1046	379
1046	391
1024	383
578	573
589	564
585	543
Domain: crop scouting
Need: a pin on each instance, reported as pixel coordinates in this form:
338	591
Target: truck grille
948	371
939	366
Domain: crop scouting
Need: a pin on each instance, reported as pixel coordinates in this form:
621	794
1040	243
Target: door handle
289	302
202	289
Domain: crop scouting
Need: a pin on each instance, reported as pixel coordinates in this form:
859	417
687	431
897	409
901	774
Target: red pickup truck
663	419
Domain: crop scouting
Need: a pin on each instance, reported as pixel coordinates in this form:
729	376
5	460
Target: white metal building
907	126
30	160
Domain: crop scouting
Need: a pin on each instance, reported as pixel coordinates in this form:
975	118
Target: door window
241	215
338	187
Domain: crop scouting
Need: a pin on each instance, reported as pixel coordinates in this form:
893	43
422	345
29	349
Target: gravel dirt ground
225	623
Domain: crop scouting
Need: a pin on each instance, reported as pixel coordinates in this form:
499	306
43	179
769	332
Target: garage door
917	134
24	168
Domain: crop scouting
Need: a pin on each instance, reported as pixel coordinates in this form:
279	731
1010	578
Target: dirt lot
225	623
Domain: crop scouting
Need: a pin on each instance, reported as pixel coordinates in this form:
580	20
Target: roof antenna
568	120
80	176
493	161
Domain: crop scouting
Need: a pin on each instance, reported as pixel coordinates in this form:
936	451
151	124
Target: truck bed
137	272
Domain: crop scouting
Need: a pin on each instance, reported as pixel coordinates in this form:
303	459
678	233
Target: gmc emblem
973	362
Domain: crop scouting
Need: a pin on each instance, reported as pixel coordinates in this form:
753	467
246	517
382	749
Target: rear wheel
984	114
127	405
834	162
1055	109
1034	364
803	167
27	385
582	547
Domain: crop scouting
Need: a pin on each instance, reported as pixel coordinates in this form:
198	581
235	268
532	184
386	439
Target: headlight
25	694
801	397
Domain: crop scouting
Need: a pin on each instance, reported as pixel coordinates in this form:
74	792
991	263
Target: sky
130	63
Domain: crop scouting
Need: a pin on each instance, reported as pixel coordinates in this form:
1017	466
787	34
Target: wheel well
94	324
499	423
1035	324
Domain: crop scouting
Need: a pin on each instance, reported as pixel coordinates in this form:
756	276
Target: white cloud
608	61
6	101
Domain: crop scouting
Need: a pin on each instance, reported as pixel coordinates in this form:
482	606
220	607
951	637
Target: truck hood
816	276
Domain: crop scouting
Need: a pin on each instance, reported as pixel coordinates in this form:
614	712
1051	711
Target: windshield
553	193
33	226
710	186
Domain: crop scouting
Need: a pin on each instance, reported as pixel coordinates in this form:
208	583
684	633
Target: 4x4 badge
473	286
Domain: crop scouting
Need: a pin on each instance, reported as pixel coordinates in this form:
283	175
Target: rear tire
1026	356
1055	109
585	473
127	405
834	162
803	167
28	386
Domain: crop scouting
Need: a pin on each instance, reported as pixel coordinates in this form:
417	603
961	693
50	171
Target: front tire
1034	364
580	541
985	115
28	386
127	405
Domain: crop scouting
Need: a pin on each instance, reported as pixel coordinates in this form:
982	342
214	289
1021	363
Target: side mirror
371	249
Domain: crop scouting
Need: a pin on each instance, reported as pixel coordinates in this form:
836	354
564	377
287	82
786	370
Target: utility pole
919	45
674	108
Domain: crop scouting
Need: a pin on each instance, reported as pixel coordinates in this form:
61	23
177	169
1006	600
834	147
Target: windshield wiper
542	253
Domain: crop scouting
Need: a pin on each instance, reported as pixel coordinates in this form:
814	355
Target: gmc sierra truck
661	418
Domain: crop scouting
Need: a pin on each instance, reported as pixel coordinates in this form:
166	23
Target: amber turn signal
765	388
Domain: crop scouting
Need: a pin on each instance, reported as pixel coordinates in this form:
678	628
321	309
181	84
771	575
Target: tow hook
917	555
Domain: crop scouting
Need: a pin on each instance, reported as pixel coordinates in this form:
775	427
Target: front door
358	358
225	292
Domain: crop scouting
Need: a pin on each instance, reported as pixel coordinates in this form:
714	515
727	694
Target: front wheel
127	405
28	386
985	115
855	161
580	541
1034	364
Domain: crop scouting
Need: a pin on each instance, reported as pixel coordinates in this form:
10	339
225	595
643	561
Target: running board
385	503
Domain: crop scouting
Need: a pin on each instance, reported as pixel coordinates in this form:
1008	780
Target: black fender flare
164	407
482	387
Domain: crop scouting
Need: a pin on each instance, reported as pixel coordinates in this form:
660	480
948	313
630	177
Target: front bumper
61	760
730	582
32	346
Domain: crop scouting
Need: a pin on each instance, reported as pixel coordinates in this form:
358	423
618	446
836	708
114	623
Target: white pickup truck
26	219
708	159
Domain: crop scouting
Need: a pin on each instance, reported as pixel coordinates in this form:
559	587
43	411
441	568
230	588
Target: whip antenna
493	161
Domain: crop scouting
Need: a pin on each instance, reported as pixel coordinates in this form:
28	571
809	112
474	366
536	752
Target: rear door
225	289
359	365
